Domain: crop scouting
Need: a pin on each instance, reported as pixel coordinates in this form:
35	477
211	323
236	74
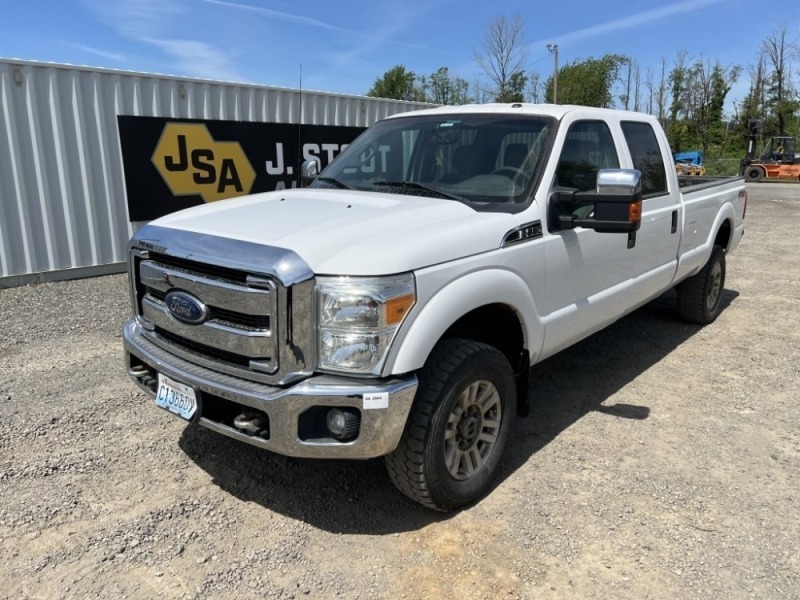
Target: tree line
687	93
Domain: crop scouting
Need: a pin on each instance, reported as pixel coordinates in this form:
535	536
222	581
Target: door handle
674	221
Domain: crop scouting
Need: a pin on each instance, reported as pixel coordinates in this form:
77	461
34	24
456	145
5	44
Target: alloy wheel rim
715	287
472	429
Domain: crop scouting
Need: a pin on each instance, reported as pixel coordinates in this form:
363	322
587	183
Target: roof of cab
557	111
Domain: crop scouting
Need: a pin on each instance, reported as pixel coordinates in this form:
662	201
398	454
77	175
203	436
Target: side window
588	148
646	155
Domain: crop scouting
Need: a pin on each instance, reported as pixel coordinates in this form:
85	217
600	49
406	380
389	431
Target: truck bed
691	182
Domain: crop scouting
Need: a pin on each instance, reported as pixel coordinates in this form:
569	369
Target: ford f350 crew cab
395	306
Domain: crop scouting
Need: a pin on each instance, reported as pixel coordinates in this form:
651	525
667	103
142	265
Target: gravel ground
661	460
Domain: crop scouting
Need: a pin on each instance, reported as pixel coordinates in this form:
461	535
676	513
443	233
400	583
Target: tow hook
252	423
143	376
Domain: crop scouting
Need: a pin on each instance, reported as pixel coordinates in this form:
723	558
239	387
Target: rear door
655	256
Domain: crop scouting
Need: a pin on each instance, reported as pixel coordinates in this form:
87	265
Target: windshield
490	162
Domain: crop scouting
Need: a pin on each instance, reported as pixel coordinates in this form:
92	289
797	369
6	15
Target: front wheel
700	296
754	174
458	427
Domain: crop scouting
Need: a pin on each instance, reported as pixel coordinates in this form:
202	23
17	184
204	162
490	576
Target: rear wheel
458	427
754	174
700	296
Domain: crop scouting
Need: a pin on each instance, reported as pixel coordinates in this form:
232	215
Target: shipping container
63	205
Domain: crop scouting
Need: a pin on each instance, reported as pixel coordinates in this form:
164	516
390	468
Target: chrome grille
239	335
229	317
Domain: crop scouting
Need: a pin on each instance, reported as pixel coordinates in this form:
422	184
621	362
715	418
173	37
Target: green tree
722	80
632	80
441	87
771	97
708	88
676	124
751	107
398	83
515	92
588	82
780	95
697	112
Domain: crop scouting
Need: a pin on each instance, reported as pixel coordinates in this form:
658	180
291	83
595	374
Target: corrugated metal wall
63	211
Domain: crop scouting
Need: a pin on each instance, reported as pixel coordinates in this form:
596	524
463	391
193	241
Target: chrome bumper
380	430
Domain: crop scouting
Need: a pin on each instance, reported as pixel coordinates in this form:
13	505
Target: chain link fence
722	166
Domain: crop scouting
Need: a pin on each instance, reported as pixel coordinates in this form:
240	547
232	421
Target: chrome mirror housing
309	171
619	181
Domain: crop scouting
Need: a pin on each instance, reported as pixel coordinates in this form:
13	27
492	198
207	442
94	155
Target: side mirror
309	171
616	201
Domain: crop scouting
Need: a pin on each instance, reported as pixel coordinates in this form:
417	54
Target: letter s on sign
310	151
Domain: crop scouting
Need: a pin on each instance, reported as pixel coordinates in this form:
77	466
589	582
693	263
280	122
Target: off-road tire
754	174
422	465
700	296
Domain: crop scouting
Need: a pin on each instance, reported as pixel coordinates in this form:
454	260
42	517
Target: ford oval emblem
186	308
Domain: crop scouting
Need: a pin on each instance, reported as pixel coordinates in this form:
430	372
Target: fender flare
456	299
693	259
703	251
726	213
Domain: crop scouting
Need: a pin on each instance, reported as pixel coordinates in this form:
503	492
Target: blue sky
344	45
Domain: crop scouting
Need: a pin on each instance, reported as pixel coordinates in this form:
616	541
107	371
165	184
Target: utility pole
553	48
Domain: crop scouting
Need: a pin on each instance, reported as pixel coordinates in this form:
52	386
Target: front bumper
292	412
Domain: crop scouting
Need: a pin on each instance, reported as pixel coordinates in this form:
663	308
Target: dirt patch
661	460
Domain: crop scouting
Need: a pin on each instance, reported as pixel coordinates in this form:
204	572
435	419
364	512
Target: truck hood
347	232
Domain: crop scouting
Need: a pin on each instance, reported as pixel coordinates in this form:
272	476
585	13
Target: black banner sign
172	164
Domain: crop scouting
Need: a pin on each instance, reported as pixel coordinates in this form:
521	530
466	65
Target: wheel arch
496	325
724	234
723	231
494	307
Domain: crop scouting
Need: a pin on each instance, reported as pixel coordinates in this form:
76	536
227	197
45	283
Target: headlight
358	318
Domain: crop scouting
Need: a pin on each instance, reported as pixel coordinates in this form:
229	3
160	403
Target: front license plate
176	397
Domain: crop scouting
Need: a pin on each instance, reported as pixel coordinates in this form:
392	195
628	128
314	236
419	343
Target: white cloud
135	18
397	19
275	14
199	59
372	39
629	22
107	54
154	23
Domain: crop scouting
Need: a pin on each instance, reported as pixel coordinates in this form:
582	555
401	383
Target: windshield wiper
413	185
334	181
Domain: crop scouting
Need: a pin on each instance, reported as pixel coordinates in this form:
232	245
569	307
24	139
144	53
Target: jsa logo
191	162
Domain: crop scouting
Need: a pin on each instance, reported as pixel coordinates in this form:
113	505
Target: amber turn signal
396	308
635	212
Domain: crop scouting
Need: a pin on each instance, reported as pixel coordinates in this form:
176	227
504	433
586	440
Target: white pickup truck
394	307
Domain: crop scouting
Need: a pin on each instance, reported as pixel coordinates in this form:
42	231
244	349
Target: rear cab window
646	156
